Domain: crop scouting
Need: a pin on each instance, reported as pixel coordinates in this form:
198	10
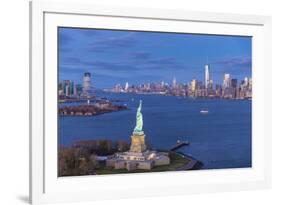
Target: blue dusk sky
114	56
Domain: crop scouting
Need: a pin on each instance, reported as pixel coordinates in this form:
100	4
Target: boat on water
204	111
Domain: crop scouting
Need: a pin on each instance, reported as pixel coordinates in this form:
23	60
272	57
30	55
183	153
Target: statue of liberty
139	122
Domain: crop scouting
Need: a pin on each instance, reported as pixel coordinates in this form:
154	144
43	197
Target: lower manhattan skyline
116	57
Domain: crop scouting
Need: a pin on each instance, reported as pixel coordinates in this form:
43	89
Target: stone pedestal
137	143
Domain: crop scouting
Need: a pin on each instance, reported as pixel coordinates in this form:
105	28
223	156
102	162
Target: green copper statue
139	123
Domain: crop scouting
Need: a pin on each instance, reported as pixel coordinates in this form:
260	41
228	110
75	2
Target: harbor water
220	138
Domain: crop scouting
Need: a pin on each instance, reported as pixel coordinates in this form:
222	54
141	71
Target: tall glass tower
174	83
207	76
87	88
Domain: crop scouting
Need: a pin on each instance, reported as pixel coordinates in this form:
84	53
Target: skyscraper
126	86
67	90
234	83
174	83
66	87
75	93
193	85
246	81
87	88
226	80
207	76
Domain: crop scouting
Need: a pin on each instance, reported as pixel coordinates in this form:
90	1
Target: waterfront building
246	88
218	90
230	88
65	86
210	84
148	86
226	80
234	83
71	88
79	89
117	88
61	92
60	89
67	90
194	85
87	87
228	93
138	157
75	93
246	81
250	83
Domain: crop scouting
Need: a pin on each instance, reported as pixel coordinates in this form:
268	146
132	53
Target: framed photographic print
129	102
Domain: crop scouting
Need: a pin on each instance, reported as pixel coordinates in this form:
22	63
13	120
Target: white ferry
204	111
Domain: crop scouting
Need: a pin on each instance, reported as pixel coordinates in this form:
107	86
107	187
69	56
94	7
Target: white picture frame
46	187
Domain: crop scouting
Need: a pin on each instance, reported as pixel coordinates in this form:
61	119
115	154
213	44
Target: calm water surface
220	139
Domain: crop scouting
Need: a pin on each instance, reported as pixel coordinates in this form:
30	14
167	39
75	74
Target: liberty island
138	157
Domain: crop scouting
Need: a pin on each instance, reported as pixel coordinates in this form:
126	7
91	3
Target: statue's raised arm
139	108
139	121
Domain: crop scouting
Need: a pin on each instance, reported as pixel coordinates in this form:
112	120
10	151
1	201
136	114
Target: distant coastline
168	94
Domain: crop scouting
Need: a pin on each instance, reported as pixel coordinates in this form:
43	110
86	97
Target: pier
189	166
179	144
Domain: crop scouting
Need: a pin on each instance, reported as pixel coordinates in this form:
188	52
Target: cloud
88	32
64	50
161	61
146	63
145	60
238	61
73	60
112	66
112	43
74	63
64	39
140	55
237	66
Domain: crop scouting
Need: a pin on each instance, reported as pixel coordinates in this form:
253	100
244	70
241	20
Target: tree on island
81	157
